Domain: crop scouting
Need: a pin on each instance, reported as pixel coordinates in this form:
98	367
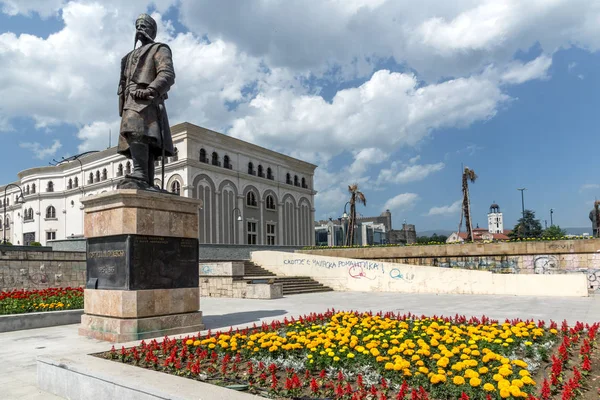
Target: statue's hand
144	94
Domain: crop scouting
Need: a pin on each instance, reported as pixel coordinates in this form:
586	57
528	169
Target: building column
311	241
261	224
217	215
240	202
280	227
297	223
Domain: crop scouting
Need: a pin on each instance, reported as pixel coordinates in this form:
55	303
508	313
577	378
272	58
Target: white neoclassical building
250	195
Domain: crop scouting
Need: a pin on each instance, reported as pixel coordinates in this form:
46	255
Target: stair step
286	293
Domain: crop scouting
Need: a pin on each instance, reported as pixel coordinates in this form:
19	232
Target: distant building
495	222
479	235
368	231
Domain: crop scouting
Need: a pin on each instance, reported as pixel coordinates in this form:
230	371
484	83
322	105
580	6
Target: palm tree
355	195
467	175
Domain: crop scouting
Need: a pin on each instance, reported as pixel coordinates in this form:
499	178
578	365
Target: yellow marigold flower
443	362
389	366
553	331
423	370
528	343
517	382
474	382
189	342
527	380
350	355
197	343
434	379
515	391
336	358
458	380
374	352
212	346
503	384
483	370
488	387
504	393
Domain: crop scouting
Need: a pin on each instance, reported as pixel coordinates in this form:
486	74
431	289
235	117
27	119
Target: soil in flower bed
349	355
50	299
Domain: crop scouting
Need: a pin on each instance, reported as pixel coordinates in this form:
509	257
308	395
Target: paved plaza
18	350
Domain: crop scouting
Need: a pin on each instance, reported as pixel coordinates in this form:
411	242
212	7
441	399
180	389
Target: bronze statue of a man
147	74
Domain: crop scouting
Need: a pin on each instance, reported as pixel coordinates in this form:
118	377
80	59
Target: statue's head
145	27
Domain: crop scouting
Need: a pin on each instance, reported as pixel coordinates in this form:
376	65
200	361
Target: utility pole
522	201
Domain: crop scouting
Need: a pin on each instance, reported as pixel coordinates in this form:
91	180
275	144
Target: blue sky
390	95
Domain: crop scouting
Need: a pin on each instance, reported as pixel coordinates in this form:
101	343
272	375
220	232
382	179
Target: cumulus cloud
451	209
536	69
39	151
401	202
399	173
589	186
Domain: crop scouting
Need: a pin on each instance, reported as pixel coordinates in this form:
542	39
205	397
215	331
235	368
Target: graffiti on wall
494	264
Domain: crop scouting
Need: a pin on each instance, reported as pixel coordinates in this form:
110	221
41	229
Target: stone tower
495	223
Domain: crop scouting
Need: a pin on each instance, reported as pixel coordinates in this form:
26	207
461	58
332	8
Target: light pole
345	219
522	201
551	212
239	218
4	202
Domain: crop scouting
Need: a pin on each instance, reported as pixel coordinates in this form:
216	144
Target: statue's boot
140	156
151	172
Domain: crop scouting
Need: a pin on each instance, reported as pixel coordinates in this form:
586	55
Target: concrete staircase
291	284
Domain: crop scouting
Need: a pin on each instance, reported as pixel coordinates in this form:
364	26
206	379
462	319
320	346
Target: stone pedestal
142	266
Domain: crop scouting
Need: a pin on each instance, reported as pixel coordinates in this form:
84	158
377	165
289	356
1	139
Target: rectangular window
50	235
252	233
271	234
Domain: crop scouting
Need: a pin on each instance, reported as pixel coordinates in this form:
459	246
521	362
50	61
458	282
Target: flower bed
51	299
348	355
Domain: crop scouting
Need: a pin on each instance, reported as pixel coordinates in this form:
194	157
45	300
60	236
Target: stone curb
17	322
79	377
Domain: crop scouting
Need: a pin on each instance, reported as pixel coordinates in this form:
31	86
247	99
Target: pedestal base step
127	330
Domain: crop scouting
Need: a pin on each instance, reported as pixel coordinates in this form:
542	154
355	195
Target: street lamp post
4	202
239	218
551	212
522	201
345	219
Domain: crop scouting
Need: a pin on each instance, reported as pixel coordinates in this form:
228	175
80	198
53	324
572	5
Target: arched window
76	182
251	169
28	215
304	185
97	176
104	174
50	212
296	182
7	223
203	156
128	167
288	178
50	187
91	178
70	184
251	199
7	201
270	202
120	170
176	187
27	189
269	173
226	162
33	188
215	159
260	171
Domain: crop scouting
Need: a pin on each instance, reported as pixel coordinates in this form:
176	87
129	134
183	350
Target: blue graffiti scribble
395	273
207	270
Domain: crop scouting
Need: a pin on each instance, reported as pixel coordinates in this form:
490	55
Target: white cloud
401	202
536	69
365	157
589	186
40	152
407	173
452	209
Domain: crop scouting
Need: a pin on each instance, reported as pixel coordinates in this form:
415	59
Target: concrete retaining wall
533	257
77	244
236	252
79	377
41	269
226	279
17	322
374	276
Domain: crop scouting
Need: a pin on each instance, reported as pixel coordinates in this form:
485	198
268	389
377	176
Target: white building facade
495	222
251	195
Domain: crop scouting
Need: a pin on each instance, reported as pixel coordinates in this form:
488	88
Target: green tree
527	227
554	232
